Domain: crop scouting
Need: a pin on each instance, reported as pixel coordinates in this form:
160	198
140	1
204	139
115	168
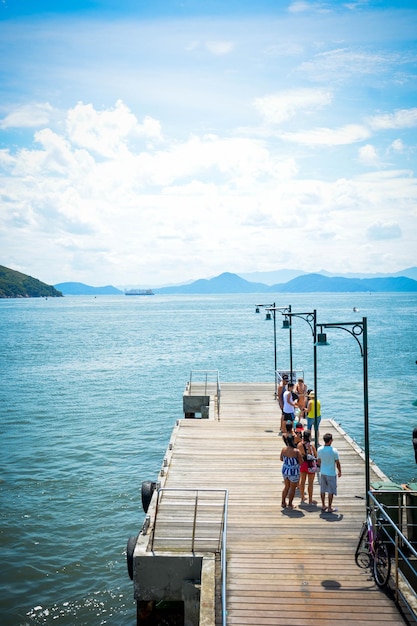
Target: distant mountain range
14	284
233	283
283	276
307	283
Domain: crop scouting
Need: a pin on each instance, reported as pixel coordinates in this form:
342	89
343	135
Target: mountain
14	284
273	277
307	283
409	272
283	276
79	289
224	283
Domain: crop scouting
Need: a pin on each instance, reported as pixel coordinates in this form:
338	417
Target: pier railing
206	381
396	511
193	520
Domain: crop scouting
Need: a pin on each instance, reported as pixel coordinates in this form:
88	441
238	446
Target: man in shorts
288	406
328	462
282	388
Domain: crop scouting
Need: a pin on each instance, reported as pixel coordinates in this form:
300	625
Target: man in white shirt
289	404
328	462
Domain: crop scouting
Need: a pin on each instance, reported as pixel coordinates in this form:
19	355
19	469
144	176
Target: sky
154	142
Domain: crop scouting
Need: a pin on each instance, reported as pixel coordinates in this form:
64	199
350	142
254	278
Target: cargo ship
139	292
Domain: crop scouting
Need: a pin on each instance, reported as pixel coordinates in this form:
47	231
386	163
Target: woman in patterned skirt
291	460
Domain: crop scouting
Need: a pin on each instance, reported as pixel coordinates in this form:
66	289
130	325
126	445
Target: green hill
17	285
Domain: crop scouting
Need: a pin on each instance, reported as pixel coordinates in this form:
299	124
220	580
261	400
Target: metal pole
316	438
275	351
289	309
366	407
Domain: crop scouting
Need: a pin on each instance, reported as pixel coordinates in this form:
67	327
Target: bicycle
372	551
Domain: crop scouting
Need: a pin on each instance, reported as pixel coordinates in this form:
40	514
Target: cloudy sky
161	141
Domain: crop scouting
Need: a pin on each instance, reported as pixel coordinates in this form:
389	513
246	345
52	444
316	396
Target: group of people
297	399
300	459
300	463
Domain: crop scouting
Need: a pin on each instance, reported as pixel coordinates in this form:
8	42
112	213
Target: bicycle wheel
381	564
362	557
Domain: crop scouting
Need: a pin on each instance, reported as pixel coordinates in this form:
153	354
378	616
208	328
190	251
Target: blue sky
156	142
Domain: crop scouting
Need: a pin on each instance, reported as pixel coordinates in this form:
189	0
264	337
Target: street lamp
311	318
269	308
282	309
359	332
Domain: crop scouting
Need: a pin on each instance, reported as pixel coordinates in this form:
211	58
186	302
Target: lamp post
311	318
283	310
359	332
269	308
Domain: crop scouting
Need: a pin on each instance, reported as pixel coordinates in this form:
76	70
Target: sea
91	387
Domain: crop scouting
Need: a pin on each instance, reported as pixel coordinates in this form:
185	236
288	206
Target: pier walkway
284	566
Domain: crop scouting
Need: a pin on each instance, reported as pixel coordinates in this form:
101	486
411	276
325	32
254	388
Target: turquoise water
90	390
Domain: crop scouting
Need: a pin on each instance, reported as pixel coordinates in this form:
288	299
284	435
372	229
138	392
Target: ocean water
90	391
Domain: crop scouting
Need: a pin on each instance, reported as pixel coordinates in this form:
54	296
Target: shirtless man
281	388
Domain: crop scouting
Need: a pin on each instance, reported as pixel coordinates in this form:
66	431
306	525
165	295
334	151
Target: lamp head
322	339
286	324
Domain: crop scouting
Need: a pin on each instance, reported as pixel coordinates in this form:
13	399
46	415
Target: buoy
415	443
131	544
148	487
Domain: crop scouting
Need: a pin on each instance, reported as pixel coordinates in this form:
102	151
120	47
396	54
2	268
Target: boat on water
139	292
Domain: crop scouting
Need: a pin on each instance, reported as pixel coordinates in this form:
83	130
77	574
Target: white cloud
403	118
300	6
280	107
103	204
397	146
368	155
345	135
339	65
382	232
108	132
28	116
219	48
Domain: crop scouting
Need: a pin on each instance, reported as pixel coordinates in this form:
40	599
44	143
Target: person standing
301	390
311	412
307	469
291	459
328	462
289	404
282	387
289	430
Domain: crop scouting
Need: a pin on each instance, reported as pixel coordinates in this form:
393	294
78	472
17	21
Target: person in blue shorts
328	462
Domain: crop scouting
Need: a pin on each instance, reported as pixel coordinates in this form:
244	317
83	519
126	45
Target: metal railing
396	512
190	505
205	375
293	376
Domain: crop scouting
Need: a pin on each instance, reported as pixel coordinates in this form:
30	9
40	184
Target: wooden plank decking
283	567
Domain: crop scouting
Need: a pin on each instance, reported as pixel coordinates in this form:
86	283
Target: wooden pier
283	566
